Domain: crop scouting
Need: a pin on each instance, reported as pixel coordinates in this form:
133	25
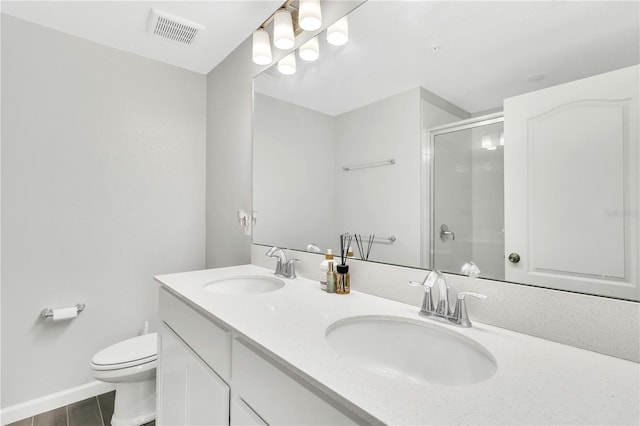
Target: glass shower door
468	198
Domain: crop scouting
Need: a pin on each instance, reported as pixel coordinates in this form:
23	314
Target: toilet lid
137	350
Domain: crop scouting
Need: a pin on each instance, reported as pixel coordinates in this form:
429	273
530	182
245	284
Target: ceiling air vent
162	24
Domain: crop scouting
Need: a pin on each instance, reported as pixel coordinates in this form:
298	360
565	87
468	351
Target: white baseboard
55	400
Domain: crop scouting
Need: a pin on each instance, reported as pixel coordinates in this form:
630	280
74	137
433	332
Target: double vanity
242	346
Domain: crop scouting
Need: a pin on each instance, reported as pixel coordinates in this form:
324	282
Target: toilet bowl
131	365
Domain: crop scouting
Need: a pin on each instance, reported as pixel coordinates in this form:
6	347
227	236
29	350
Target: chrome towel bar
389	162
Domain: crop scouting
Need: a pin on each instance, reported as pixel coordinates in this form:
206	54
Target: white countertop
536	382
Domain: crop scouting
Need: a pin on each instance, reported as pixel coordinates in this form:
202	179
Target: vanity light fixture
283	37
338	33
287	65
309	15
261	47
310	51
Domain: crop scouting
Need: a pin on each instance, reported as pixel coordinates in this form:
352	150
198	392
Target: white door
189	392
572	185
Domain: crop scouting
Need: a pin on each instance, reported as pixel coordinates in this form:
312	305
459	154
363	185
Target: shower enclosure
466	182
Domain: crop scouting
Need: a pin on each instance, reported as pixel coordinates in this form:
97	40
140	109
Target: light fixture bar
287	6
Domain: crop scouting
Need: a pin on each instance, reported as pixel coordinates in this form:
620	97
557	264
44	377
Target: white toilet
131	364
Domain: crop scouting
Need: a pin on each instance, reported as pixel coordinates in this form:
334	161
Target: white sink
244	284
410	350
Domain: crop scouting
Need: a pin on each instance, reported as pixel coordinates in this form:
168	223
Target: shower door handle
444	233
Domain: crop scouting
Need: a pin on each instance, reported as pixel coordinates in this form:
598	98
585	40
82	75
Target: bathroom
120	164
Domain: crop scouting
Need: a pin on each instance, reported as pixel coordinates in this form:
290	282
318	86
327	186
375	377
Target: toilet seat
128	353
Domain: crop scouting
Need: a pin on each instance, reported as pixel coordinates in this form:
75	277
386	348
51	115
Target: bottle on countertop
343	286
324	267
332	278
350	255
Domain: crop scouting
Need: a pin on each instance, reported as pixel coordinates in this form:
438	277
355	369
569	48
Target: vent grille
162	24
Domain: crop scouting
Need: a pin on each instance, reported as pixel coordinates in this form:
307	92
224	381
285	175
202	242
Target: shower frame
428	231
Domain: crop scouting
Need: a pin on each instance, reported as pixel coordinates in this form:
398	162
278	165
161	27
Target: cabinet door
189	392
243	415
171	380
572	185
208	339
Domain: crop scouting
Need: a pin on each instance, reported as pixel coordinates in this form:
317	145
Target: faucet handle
291	268
427	285
427	307
460	315
428	282
462	295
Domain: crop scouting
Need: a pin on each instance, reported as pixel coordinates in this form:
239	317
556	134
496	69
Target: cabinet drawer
208	339
277	397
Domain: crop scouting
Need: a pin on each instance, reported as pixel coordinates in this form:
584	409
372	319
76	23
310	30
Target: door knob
514	258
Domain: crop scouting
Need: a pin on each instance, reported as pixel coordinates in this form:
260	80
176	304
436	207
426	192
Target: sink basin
410	350
244	284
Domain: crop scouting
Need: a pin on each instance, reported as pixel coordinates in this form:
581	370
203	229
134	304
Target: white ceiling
488	51
123	24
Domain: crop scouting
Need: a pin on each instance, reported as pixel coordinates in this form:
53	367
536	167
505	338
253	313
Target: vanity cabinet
194	359
207	375
275	396
189	392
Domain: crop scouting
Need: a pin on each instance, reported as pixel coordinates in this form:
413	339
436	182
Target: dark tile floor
94	411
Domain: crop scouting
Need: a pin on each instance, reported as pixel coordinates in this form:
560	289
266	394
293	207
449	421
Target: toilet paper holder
48	312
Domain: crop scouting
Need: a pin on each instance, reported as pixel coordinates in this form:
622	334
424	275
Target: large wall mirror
489	138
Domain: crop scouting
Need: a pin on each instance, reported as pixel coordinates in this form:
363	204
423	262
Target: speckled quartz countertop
536	382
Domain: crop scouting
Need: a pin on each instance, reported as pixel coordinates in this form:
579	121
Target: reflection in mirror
569	197
468	197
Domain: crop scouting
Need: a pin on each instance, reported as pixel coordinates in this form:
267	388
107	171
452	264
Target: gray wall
295	200
103	178
229	132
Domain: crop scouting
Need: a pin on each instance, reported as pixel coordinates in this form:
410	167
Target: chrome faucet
284	268
442	307
441	310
